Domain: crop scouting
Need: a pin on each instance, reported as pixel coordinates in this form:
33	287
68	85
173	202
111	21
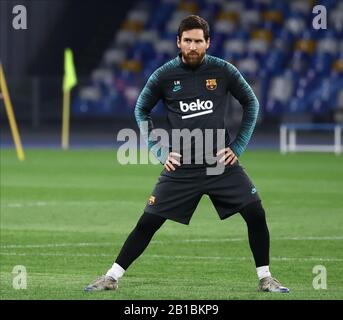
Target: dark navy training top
197	99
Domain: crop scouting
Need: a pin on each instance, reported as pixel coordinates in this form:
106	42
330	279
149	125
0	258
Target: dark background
33	63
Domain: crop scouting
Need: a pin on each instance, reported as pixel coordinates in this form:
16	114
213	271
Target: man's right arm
146	101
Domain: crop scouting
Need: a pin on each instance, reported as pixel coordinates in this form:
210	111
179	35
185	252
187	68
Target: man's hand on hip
228	156
173	158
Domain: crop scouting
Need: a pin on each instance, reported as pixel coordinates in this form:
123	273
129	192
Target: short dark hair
194	22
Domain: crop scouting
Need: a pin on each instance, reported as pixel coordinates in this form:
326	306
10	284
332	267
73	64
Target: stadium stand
298	69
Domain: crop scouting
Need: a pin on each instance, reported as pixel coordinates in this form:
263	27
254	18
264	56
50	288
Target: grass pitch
65	215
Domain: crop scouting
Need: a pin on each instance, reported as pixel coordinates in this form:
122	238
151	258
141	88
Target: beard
193	58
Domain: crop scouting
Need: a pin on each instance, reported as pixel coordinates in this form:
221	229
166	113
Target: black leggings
258	232
148	224
139	238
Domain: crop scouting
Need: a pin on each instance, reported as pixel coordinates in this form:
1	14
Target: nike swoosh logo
176	89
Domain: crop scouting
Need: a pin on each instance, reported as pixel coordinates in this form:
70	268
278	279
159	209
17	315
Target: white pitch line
310	238
21	205
243	239
14	205
99	244
56	245
156	256
57	254
247	258
54	203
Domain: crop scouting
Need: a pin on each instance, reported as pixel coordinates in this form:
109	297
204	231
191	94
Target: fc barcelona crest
151	201
211	84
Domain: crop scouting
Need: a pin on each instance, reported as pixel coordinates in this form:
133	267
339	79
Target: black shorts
177	193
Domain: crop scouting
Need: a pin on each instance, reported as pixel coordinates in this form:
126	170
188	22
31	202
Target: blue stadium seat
321	63
269	41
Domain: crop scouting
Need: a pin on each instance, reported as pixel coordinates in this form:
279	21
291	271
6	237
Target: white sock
263	272
116	272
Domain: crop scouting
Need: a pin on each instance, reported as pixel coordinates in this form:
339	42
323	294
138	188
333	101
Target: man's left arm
242	91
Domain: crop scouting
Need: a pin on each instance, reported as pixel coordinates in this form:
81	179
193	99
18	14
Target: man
194	87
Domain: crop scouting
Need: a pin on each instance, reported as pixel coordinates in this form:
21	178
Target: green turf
65	215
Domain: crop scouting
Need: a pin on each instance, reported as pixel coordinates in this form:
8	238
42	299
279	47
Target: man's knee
253	213
149	222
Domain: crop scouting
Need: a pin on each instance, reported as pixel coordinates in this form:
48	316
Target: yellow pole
69	81
65	119
10	115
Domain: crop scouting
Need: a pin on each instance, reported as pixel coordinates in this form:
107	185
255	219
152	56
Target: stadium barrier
288	137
